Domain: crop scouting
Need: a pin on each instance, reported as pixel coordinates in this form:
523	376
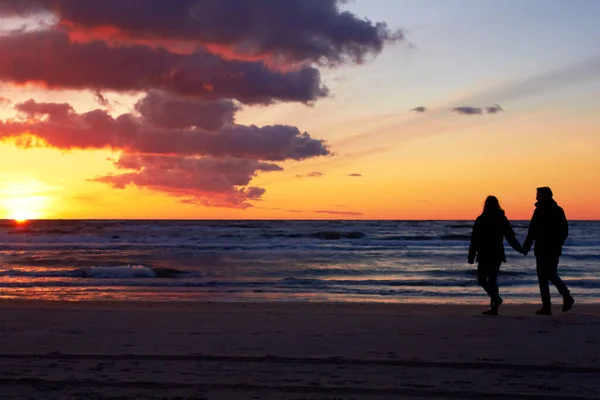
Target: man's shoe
568	303
496	302
545	310
492	311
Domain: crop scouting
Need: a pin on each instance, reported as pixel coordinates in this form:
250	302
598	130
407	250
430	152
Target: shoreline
384	308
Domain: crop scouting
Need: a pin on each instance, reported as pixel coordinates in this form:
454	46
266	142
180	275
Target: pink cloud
206	181
196	166
60	126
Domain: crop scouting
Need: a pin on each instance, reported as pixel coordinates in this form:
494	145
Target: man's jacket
548	228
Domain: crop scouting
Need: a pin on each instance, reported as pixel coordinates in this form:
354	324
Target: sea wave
98	272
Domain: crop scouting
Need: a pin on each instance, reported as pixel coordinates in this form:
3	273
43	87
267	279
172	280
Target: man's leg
551	267
543	282
552	273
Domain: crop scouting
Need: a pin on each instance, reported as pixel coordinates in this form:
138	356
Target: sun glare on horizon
23	200
21	209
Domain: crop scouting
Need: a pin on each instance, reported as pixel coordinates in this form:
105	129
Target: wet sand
101	351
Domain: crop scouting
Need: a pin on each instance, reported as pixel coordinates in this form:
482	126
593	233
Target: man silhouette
549	229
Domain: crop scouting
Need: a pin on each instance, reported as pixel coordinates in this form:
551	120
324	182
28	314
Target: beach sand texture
295	351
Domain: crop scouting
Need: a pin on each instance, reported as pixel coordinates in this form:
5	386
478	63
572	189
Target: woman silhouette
487	247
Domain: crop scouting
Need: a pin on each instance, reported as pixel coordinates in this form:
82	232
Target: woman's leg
493	281
487	277
483	277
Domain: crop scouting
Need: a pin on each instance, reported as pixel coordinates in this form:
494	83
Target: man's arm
531	232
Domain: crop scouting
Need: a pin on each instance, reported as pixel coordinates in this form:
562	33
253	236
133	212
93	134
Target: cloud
355	175
200	167
21	8
573	74
348	213
467	110
311	175
203	181
54	111
59	126
25	59
288	31
169	111
193	63
496	108
419	110
101	100
5	102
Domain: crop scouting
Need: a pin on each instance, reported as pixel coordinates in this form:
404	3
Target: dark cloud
419	109
205	181
54	111
100	99
169	111
61	127
49	58
467	110
496	108
21	8
290	31
355	175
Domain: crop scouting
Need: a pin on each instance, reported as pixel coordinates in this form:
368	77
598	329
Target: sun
25	208
23	198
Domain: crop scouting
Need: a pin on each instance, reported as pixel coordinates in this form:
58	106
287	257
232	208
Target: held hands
521	250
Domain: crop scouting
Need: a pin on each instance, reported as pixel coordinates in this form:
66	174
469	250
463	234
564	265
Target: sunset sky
297	109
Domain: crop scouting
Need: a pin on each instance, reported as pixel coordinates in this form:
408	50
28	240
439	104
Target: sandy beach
295	351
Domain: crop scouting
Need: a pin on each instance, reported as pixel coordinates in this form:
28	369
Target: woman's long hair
491	207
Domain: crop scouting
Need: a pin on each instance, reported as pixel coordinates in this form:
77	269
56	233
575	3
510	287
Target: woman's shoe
545	310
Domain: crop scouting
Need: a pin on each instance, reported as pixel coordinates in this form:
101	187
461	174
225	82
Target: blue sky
467	44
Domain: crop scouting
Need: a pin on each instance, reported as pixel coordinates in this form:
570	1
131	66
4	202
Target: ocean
234	261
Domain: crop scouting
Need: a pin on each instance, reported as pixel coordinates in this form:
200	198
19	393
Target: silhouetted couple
548	228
